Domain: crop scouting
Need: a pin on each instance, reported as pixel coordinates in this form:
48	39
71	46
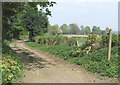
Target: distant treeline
75	29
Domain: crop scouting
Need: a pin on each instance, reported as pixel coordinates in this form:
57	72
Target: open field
81	36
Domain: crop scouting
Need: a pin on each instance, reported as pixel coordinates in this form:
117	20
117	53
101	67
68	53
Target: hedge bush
105	40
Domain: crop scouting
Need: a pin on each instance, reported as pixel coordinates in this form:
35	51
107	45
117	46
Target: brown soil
51	68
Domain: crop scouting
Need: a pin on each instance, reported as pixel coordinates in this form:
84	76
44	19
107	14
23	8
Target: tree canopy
34	22
87	30
74	29
11	9
96	30
64	28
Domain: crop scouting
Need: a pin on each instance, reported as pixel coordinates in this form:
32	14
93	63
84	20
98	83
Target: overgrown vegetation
11	65
105	39
97	62
56	40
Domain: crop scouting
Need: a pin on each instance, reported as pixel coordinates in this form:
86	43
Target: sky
101	13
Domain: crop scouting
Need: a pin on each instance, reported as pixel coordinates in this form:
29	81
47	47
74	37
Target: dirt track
52	68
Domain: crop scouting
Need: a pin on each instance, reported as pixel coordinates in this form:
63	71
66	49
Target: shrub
95	43
105	40
91	44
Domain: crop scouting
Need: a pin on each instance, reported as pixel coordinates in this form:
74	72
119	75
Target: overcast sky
102	13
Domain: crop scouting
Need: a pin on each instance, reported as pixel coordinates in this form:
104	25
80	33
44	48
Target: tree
107	30
15	27
10	10
96	30
41	33
50	29
82	29
56	29
99	31
87	30
103	32
34	22
74	29
64	28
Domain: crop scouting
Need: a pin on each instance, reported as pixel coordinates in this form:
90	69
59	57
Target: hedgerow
55	40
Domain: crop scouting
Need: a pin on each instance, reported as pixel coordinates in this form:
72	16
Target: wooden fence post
78	43
109	46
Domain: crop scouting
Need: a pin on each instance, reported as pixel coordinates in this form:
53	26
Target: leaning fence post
109	46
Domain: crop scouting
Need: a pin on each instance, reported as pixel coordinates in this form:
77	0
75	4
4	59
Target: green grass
95	62
62	51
